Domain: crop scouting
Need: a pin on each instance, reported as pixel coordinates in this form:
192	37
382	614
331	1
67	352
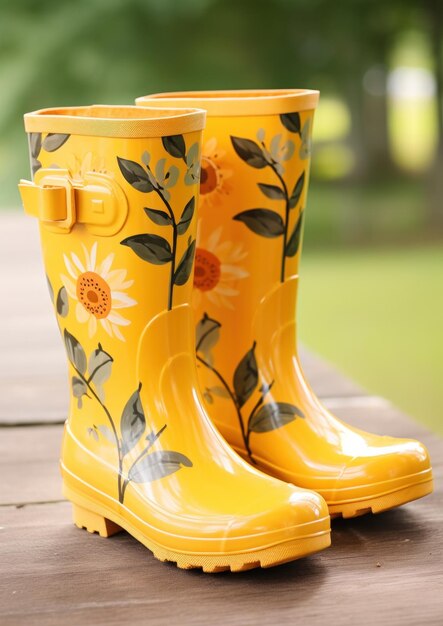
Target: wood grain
381	570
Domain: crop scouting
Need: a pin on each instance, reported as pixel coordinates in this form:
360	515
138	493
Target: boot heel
94	523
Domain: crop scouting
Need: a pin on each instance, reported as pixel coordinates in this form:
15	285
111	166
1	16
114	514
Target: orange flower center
208	176
207	270
95	294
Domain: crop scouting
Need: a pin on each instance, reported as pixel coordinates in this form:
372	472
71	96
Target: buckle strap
59	202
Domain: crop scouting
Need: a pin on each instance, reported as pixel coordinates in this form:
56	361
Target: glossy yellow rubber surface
117	212
255	169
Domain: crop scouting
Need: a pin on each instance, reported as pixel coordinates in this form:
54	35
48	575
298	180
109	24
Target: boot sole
95	518
423	486
379	504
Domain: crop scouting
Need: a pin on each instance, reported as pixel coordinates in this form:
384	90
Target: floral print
98	290
217	270
78	167
213	174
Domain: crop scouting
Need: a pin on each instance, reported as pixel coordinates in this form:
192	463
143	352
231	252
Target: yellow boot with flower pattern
115	192
254	179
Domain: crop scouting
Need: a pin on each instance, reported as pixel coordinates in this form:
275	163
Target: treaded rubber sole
96	519
382	503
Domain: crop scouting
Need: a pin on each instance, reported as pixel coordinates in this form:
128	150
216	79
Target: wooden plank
33	374
382	570
29	464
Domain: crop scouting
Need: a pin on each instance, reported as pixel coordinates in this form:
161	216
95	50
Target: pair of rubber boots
191	425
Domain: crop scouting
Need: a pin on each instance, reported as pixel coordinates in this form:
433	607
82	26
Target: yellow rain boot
254	179
114	191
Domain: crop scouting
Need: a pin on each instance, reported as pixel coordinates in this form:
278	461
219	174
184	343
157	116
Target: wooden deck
385	569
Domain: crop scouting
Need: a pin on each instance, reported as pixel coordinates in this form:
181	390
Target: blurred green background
372	289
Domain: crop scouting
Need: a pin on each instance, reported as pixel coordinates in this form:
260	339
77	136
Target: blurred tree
61	52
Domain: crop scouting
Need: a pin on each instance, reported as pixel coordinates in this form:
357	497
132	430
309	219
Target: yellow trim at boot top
115	191
254	181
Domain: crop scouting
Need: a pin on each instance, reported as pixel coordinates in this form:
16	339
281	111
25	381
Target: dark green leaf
273	415
79	389
151	248
296	193
157	465
207	335
62	304
272	191
175	146
99	366
187	215
291	121
246	377
250	152
35	165
75	352
293	243
133	422
262	222
54	141
135	175
35	144
161	218
184	268
51	290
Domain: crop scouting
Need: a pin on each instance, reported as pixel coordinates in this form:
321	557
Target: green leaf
207	335
79	389
246	377
297	191
54	141
250	152
291	121
135	175
272	191
75	352
150	248
62	304
133	422
219	391
35	144
99	366
157	465
175	146
262	222
184	268
106	432
186	217
293	242
161	218
35	165
273	415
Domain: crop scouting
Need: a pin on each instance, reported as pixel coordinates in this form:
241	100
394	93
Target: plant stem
140	456
286	224
114	430
174	246
234	400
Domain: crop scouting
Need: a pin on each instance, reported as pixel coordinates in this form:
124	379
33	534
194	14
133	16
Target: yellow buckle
50	198
59	201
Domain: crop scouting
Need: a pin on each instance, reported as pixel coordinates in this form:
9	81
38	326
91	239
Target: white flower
217	270
98	290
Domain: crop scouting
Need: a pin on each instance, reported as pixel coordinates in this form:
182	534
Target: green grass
378	315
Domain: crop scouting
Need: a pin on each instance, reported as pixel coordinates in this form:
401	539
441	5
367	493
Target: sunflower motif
217	271
98	291
213	173
78	167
